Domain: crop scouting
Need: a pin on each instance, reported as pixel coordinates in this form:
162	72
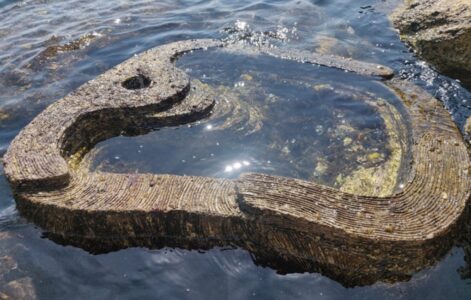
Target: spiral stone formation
286	223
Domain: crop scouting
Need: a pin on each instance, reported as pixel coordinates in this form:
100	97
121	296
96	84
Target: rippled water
34	72
273	116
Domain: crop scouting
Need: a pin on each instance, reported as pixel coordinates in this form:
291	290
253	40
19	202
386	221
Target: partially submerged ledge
355	239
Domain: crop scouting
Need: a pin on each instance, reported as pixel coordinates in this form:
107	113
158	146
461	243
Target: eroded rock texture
440	31
286	223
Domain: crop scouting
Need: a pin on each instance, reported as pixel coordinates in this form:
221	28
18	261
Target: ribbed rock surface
356	239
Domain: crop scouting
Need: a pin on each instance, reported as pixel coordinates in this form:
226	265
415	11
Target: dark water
34	72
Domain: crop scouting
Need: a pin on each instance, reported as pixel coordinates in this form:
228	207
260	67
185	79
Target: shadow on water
30	80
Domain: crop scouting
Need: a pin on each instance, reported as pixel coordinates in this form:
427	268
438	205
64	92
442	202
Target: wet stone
272	216
467	126
22	288
440	31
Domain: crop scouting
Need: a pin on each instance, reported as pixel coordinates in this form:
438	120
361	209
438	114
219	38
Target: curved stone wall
286	223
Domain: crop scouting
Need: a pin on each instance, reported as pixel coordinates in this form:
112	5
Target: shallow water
33	76
272	115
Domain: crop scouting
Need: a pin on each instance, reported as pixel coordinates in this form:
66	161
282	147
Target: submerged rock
22	288
77	44
440	31
4	115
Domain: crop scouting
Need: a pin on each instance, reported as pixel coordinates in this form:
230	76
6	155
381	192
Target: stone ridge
440	31
356	239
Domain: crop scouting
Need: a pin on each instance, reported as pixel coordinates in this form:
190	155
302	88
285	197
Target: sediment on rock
440	31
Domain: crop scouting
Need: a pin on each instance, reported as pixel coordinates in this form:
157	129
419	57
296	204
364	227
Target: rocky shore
440	32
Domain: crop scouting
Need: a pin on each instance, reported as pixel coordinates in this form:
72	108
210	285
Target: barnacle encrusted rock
440	30
356	239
